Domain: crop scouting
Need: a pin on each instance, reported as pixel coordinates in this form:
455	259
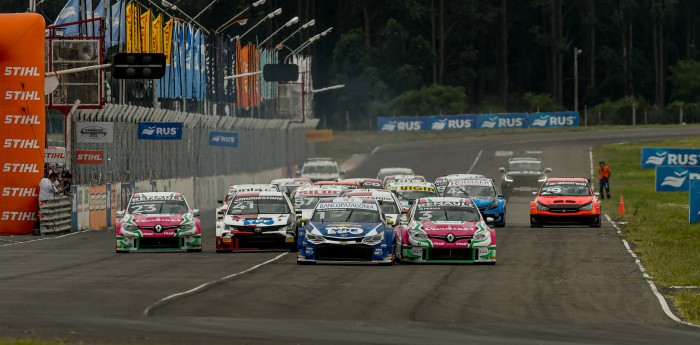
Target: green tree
431	100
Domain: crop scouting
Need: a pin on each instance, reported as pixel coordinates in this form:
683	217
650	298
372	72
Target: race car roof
420	184
258	194
566	179
471	182
445	199
157	194
368	192
318	191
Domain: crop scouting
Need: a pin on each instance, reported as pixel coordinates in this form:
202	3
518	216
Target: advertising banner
655	156
319	135
55	154
502	121
160	131
694	201
22	125
675	178
224	139
94	132
426	123
89	156
548	120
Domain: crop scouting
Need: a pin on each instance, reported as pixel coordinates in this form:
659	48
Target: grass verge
657	223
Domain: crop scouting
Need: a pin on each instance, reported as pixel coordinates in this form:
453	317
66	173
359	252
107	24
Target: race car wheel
194	250
596	224
305	262
502	223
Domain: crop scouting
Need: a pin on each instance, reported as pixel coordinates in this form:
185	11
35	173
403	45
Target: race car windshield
158	207
289	188
525	166
320	169
447	214
565	190
386	173
467	191
306	202
389	207
262	205
412	195
346	215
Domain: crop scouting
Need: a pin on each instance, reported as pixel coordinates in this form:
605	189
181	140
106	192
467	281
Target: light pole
308	43
577	52
270	15
169	5
311	23
231	21
287	24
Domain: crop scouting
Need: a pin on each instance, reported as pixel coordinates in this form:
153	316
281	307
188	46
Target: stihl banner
89	156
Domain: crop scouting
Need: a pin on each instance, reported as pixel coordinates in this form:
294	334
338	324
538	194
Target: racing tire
596	224
535	225
503	222
194	250
122	251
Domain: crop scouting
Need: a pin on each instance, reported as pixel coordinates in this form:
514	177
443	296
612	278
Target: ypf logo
657	158
340	230
677	179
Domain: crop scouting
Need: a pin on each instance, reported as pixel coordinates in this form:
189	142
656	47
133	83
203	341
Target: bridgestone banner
22	124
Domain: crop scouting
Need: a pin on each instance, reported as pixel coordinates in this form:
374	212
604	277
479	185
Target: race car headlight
313	238
493	205
587	207
507	178
482	235
541	207
187	226
418	235
374	238
228	227
129	227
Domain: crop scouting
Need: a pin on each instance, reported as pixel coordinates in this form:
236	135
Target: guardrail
55	214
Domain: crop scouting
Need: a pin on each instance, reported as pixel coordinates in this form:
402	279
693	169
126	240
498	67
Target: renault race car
240	188
407	192
343	183
347	230
158	221
442	181
482	191
388	201
367	183
565	201
447	230
306	198
257	220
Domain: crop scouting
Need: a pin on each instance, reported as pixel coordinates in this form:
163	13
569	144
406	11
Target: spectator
604	179
47	187
67	182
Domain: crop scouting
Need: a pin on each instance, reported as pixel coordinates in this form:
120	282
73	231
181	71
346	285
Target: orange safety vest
604	171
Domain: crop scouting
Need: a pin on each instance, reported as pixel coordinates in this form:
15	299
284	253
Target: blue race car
347	230
482	191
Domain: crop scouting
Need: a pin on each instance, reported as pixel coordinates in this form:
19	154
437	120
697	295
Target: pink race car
158	221
447	230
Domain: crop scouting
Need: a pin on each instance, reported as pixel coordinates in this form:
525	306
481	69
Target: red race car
565	201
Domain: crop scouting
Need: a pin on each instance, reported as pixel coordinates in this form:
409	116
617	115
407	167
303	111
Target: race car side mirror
548	170
501	169
489	219
120	214
534	193
195	212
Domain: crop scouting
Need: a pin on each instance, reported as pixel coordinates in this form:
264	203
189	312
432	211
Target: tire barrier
55	215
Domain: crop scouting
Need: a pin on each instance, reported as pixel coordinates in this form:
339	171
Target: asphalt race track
569	285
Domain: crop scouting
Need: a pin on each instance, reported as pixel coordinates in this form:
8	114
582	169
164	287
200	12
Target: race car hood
483	201
154	225
257	220
322	177
345	230
524	173
564	200
443	228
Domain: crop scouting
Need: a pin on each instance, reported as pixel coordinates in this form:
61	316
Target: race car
158	221
447	230
240	188
565	201
442	181
402	178
257	220
367	183
384	172
343	183
482	191
288	185
321	169
388	201
306	198
407	192
345	230
522	175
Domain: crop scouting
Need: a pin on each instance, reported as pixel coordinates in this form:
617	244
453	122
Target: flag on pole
178	38
196	72
157	34
70	13
146	32
168	40
189	65
202	68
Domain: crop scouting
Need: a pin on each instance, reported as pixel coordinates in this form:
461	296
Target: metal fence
262	145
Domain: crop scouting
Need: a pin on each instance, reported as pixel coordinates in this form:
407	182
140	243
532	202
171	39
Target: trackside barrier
477	122
55	214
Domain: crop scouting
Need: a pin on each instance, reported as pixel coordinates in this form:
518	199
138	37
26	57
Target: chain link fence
262	145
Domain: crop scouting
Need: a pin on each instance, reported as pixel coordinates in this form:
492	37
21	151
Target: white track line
475	160
192	291
662	300
45	238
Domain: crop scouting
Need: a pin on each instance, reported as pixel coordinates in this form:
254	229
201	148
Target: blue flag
202	69
176	64
189	65
196	76
70	13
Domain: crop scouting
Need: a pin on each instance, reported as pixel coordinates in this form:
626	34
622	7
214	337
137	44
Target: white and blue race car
343	230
